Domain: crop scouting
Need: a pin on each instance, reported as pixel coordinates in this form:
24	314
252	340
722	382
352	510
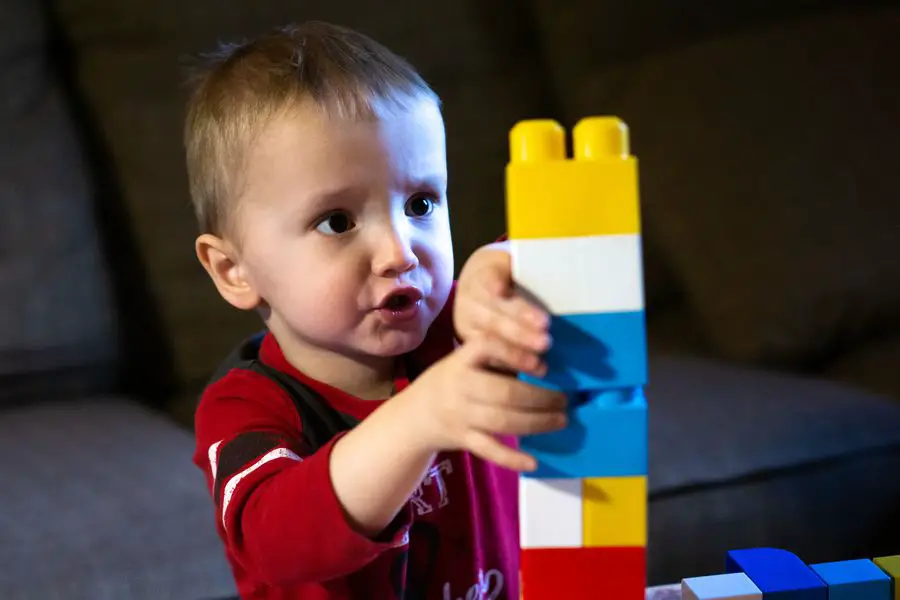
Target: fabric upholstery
57	325
741	458
838	510
711	422
602	33
872	364
764	179
102	502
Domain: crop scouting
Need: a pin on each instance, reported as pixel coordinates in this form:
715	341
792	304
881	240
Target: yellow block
549	195
615	511
891	566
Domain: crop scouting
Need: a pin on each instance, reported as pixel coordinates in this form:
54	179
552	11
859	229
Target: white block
730	586
550	513
589	274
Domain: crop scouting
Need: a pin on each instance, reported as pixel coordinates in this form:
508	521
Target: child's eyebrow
436	181
329	197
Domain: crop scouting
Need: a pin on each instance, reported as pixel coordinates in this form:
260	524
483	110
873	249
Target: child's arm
276	506
376	467
456	404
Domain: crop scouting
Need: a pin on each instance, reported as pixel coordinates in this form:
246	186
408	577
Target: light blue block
780	574
596	351
854	580
606	437
730	586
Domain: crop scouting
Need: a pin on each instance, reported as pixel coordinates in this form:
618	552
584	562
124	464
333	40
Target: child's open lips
400	305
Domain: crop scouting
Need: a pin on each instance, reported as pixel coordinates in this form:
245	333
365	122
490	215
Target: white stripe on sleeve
213	458
236	479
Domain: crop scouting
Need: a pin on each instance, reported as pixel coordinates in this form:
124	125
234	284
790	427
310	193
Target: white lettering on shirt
434	478
488	587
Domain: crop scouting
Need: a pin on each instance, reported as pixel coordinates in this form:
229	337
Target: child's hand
459	403
486	306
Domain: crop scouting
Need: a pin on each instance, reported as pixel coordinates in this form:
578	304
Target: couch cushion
57	329
129	58
872	365
767	171
740	457
101	501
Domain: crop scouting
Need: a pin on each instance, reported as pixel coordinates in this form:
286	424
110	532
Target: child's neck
367	378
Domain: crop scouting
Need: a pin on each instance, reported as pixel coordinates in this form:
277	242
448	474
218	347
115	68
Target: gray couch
767	135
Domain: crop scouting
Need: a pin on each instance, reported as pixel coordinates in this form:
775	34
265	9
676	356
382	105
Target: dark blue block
779	574
606	437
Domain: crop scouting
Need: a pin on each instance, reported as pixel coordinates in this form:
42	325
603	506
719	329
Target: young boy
317	167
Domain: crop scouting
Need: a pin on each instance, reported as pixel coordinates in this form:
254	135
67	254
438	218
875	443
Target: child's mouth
398	302
401	305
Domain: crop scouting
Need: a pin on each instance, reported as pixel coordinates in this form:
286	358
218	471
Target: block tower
574	230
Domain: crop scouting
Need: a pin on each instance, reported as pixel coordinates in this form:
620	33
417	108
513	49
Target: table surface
664	592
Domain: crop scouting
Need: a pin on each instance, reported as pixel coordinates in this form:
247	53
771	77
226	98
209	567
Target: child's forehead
307	153
312	130
378	116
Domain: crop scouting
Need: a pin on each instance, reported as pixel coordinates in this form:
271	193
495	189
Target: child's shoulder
239	381
239	394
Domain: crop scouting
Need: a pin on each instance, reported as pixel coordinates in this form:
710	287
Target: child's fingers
508	393
489	448
526	311
520	395
498	353
506	420
522	322
505	405
516	321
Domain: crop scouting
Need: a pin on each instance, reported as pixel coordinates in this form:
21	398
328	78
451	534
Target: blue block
854	580
606	437
596	351
780	574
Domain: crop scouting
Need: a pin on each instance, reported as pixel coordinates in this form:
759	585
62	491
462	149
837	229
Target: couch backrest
58	330
767	135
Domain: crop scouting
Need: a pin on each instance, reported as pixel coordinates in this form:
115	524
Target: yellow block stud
549	195
598	138
615	511
537	140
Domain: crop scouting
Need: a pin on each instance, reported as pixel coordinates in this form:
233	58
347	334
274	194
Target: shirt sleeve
275	505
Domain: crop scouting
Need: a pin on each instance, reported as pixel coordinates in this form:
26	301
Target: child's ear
222	261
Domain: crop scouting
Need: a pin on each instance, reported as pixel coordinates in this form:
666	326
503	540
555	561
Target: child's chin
398	343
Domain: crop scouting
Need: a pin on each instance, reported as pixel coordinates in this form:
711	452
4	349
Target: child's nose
395	255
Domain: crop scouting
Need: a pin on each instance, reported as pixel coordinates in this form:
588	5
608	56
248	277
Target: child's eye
420	206
335	224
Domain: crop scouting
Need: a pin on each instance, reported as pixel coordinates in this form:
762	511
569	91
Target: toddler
317	168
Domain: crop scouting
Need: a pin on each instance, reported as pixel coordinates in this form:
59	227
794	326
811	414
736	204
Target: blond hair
241	87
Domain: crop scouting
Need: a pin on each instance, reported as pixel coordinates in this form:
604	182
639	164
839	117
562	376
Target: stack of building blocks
772	573
575	237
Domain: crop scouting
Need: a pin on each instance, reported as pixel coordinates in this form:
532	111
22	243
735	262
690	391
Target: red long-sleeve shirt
285	534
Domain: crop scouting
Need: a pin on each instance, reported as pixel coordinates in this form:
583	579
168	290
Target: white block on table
730	586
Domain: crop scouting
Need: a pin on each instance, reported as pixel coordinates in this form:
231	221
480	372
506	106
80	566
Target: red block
583	573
